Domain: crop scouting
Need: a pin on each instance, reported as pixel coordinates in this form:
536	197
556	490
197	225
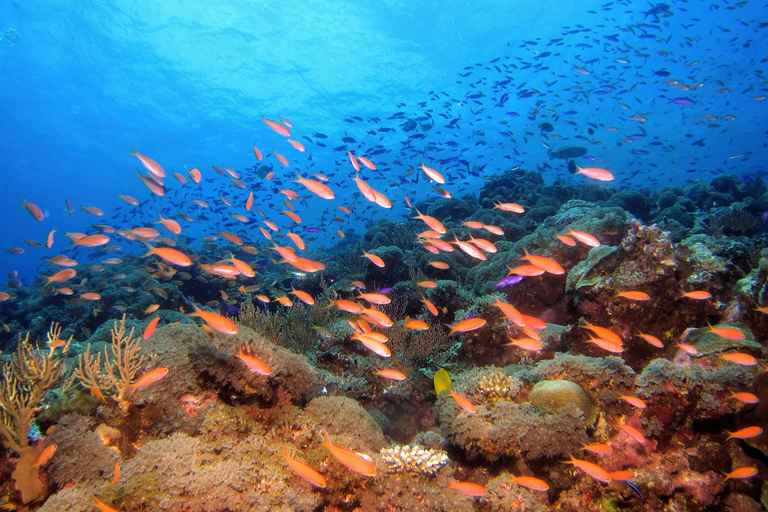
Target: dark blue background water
186	83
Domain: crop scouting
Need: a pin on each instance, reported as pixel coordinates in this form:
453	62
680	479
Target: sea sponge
81	454
495	386
413	459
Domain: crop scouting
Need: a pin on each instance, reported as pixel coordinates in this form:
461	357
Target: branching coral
117	376
25	381
413	459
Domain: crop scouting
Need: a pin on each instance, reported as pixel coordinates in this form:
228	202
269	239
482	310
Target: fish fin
327	442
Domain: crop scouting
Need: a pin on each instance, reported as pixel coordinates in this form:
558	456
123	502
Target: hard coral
413	459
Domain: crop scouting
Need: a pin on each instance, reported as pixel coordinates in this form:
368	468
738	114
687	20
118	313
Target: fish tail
133	151
327	442
150	249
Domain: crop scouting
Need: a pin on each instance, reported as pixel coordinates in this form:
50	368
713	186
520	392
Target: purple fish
385	291
681	101
312	230
508	281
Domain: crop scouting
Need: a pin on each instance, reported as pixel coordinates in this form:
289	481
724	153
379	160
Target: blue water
187	82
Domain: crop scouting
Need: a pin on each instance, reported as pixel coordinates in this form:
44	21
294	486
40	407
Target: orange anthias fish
530	482
150	377
591	469
463	403
214	320
254	363
276	127
634	295
103	506
374	259
305	471
595	173
433	174
729	333
315	187
468	488
391	374
149	164
150	329
357	462
697	295
33	210
432	222
469	324
745	433
745	472
544	263
169	255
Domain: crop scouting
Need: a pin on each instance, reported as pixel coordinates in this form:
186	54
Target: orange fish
254	363
688	349
281	158
566	240
603	333
150	378
698	295
60	276
391	374
526	271
276	127
529	344
584	238
633	401
745	433
634	295
367	162
433	174
49	240
168	255
180	178
740	358
747	398
214	320
374	259
745	472
90	296
439	264
510	312
103	506
91	241
45	456
468	488
544	263
633	433
231	237
257	153
150	329
347	305
315	187
653	340
427	284
375	298
415	324
297	241
305	471
195	175
598	448
378	317
149	164
468	248
509	207
595	173
432	222
303	296
116	475
33	210
298	146
170	224
377	347
357	462
530	482
469	324
249	201
591	469
463	403
128	199
621	476
607	345
493	229
729	333
473	224
354	162
92	210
